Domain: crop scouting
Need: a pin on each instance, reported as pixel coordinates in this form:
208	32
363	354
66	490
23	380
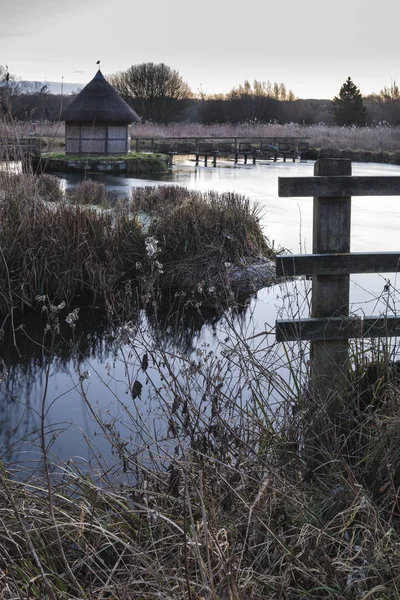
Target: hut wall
72	146
102	139
118	139
93	147
117	147
72	136
94	132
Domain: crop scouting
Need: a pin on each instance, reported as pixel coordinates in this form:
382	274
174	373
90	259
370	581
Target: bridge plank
338	186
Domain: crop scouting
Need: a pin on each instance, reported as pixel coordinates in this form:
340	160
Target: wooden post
330	293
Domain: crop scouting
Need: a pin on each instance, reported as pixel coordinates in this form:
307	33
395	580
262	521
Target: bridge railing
256	147
18	148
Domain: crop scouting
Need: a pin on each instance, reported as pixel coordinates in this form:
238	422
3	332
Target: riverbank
134	163
361	156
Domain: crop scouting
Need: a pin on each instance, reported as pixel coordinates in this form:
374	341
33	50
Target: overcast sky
310	45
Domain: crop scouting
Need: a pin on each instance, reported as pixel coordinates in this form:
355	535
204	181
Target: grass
66	252
63	156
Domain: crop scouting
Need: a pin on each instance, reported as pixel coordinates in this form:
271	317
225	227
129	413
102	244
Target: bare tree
9	86
154	90
390	98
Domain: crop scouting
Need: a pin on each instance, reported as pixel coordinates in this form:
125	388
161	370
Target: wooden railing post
330	326
330	293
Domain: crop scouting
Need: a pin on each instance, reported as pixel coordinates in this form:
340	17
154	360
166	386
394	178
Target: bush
147	163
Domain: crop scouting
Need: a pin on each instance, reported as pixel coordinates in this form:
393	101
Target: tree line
159	94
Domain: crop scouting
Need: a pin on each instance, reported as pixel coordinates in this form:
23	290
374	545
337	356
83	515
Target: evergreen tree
348	107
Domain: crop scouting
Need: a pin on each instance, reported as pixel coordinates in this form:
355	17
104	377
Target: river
68	381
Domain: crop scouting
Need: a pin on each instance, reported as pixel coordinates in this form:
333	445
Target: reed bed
378	138
381	137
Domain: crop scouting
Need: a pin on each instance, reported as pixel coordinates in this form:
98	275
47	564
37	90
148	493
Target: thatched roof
98	101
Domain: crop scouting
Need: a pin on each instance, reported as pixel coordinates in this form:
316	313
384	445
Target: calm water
92	375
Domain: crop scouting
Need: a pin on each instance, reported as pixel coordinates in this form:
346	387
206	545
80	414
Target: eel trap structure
330	327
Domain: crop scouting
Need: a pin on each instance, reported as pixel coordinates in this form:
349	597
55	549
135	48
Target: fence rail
337	264
330	327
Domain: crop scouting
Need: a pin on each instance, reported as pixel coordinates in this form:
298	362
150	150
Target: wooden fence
330	326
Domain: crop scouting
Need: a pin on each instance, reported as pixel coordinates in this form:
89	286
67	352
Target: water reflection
71	376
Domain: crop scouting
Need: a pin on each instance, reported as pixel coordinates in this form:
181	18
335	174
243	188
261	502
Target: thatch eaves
99	102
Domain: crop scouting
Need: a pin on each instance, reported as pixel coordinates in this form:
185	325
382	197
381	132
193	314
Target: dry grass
223	507
378	138
201	237
52	246
90	192
62	251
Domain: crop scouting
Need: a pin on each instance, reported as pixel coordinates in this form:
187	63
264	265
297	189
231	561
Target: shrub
395	160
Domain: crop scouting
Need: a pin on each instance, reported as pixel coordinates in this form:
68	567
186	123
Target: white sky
310	45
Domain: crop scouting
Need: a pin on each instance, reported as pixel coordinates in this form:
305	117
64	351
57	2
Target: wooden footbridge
263	148
19	148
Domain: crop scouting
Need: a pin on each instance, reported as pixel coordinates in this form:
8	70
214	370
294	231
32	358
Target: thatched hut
98	121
